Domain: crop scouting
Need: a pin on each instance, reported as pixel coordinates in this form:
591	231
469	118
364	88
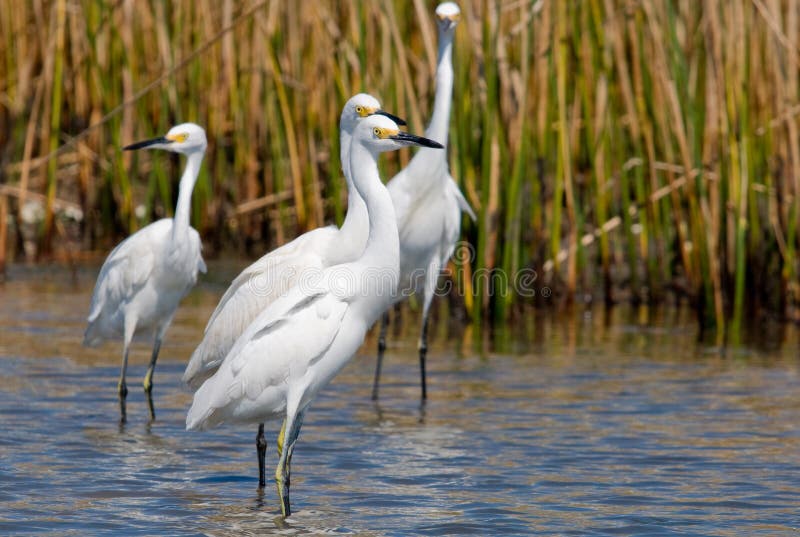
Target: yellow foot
283	495
148	382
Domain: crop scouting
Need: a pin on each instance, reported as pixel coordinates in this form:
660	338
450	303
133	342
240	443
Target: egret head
447	15
380	134
185	138
360	106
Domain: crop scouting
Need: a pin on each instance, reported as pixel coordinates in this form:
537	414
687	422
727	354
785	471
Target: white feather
271	276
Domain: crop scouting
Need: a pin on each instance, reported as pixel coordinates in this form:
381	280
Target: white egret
428	202
302	339
271	276
145	277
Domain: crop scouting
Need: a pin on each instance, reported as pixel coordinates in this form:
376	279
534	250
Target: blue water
586	424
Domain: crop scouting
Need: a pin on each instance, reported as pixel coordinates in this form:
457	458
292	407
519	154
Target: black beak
393	117
147	143
413	139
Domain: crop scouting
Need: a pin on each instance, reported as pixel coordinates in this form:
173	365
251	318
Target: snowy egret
302	339
428	202
145	277
271	276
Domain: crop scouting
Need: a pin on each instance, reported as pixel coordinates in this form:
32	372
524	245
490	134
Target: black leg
122	387
381	349
148	378
286	441
123	414
150	407
261	449
423	352
292	440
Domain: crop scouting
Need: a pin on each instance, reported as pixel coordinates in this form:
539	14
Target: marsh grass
624	150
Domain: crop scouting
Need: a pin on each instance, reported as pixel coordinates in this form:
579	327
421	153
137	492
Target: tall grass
624	150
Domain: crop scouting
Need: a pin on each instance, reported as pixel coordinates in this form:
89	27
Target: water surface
593	423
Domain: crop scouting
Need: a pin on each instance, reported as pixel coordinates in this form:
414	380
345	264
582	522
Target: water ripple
621	431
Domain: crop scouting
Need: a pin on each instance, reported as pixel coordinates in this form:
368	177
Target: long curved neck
356	219
427	161
382	251
440	122
180	222
345	138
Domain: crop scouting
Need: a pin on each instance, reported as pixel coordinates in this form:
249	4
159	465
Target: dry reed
628	149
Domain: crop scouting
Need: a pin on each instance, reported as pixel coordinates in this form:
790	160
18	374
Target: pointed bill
161	140
413	139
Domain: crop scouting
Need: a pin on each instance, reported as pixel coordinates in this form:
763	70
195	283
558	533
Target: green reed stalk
55	118
513	202
566	116
742	172
561	165
488	119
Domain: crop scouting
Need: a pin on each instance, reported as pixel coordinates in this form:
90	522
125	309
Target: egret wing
273	271
249	294
463	204
281	344
125	270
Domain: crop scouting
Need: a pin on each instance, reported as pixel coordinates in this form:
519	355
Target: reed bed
613	149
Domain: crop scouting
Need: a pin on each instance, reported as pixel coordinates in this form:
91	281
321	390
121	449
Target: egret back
123	274
253	382
251	292
145	275
429	227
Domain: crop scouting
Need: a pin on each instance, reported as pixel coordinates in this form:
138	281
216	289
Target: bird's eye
377	132
360	109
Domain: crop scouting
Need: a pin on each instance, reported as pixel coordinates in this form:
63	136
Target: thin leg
123	412
423	352
261	449
150	407
290	450
122	388
381	349
148	378
130	328
289	433
279	470
431	277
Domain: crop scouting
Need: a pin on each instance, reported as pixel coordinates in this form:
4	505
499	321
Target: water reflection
598	422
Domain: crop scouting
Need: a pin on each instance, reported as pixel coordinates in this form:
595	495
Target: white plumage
275	273
302	339
271	276
253	290
145	277
428	201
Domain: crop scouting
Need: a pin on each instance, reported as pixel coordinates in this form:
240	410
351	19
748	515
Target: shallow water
594	424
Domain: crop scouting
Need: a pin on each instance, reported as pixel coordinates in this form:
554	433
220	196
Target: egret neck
428	162
440	122
180	223
353	231
382	252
